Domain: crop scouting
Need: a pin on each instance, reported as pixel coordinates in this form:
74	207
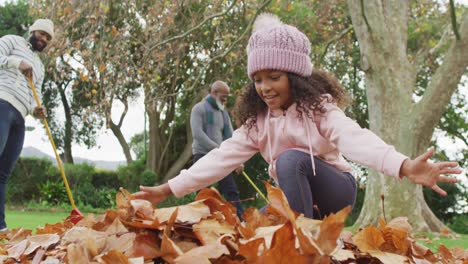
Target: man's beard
220	105
35	43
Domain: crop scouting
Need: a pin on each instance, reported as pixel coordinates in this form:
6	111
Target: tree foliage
14	18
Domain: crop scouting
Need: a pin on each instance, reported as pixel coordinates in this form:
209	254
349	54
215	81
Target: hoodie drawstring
310	146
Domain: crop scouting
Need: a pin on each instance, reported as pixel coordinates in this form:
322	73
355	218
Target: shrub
27	177
135	174
105	179
53	193
459	223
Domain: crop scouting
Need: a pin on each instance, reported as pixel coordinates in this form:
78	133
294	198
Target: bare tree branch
333	40
447	76
192	29
363	13
453	17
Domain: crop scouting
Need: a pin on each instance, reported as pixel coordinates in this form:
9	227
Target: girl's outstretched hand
154	194
423	172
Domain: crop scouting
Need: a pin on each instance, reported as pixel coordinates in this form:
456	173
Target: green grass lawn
32	220
432	241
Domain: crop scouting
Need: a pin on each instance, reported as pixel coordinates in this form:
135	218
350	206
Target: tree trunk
123	143
67	141
381	29
117	130
180	162
155	141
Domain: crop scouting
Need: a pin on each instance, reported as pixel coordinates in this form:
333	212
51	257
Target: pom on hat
265	21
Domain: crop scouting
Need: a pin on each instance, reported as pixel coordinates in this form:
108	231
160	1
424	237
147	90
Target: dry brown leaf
41	241
460	253
343	255
279	203
253	219
330	230
115	257
77	254
203	254
421	252
283	249
250	249
400	223
123	243
38	256
116	227
446	255
18	249
146	246
307	244
389	258
208	193
225	208
142	208
210	230
17	235
369	239
190	213
265	232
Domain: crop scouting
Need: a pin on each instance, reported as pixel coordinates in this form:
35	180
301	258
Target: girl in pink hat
290	114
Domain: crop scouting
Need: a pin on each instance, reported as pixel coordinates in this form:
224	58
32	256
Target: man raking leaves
20	70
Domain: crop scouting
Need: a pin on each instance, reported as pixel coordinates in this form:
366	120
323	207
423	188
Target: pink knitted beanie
277	46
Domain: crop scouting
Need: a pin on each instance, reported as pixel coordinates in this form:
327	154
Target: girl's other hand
421	171
154	194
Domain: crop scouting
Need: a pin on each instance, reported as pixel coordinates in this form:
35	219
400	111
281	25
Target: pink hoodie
324	136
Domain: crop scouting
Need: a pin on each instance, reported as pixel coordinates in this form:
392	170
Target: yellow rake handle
59	161
255	187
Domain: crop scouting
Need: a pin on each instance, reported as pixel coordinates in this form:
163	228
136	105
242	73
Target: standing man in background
211	125
19	61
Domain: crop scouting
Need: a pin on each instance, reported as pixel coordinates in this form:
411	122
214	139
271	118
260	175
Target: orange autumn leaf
115	257
122	199
249	250
253	219
330	230
283	248
307	244
142	208
445	254
146	246
279	202
210	230
368	239
190	213
225	208
208	193
170	250
203	254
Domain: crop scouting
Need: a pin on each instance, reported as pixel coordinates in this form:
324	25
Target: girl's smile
273	88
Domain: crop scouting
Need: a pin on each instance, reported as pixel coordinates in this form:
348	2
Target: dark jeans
329	191
11	143
228	188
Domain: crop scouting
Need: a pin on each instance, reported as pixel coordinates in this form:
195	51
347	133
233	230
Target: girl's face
273	87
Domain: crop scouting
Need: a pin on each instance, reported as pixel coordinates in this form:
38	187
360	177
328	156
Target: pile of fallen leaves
208	231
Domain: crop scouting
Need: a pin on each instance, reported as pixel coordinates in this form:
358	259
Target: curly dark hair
305	92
